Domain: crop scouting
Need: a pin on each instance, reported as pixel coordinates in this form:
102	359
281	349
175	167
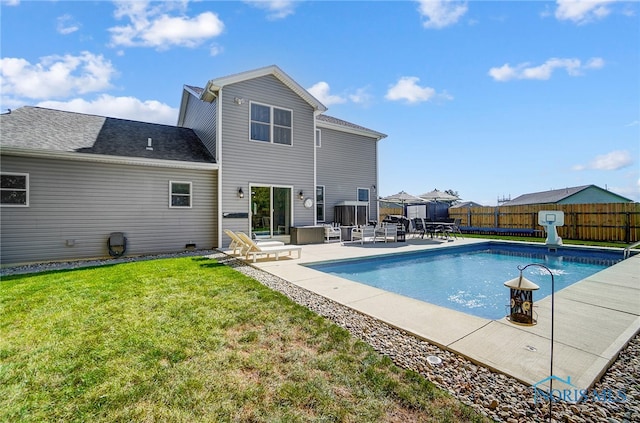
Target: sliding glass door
270	210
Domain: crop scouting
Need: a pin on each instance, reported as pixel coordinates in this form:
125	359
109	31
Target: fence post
627	228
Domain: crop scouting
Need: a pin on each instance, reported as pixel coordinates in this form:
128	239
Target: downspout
316	112
219	161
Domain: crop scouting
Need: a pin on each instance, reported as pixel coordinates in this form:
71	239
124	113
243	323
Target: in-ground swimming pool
471	278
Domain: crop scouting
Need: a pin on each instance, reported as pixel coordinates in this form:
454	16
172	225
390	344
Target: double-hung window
271	124
179	194
320	203
14	189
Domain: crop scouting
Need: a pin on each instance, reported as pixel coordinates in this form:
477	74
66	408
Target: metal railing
627	251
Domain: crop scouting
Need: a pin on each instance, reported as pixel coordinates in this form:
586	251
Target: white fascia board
371	134
214	85
104	158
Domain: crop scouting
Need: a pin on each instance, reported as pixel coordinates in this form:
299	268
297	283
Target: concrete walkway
594	318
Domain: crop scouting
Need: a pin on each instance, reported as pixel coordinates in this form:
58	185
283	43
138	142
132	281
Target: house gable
213	87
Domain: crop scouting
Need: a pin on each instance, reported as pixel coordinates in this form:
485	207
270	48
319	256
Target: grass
187	340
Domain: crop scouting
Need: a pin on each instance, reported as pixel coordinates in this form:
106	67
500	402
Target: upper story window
179	194
318	138
14	189
271	124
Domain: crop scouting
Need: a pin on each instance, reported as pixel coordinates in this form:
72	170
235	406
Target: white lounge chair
238	245
254	250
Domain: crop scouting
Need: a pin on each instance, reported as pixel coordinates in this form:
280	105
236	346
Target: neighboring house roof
213	86
330	122
466	204
559	195
55	131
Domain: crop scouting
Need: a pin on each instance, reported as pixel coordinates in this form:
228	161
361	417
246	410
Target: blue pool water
471	278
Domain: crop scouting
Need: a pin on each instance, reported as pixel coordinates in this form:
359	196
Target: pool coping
594	318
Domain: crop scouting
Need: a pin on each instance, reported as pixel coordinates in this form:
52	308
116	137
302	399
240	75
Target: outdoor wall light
239	100
373	187
240	193
301	195
521	310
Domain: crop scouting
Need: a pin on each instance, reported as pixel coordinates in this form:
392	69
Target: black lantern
521	300
521	313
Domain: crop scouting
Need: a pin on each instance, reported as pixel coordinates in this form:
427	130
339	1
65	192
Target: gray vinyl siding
85	202
247	162
202	118
345	163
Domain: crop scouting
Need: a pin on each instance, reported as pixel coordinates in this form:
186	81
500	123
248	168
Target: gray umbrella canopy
436	195
403	197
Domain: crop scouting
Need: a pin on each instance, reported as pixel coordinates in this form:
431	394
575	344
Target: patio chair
453	229
254	250
363	233
387	232
418	227
332	233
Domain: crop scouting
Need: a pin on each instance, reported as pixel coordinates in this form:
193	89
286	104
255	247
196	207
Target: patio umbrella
403	197
436	195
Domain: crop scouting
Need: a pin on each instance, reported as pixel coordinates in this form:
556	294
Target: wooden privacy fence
590	222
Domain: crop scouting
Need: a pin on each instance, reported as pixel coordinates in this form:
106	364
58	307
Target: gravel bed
492	394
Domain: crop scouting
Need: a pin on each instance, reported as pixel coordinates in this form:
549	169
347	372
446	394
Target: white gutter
342	128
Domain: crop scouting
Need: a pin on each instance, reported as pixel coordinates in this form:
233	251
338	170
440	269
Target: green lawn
188	340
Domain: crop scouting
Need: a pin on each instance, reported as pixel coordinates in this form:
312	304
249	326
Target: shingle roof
37	128
552	196
348	125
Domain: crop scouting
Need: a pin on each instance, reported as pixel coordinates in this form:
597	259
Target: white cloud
407	88
215	50
55	76
582	11
321	90
119	107
614	160
66	24
441	13
277	9
361	96
573	67
152	26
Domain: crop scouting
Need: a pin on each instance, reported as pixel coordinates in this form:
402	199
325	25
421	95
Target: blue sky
489	99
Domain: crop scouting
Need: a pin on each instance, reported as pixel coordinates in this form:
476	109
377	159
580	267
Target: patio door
270	210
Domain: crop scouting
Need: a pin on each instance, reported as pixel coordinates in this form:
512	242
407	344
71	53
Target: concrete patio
594	318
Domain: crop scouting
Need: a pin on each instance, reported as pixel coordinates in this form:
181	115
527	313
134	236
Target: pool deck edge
594	318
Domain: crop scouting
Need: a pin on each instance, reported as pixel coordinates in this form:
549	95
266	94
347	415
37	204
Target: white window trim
368	194
171	194
368	201
271	124
318	138
324	201
27	189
